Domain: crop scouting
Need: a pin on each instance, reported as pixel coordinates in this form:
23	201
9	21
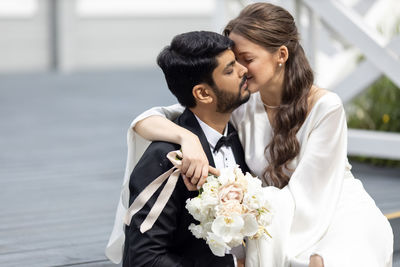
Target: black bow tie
225	141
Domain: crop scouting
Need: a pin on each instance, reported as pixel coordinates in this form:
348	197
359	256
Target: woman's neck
271	96
271	93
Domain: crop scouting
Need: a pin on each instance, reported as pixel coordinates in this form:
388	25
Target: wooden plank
393	215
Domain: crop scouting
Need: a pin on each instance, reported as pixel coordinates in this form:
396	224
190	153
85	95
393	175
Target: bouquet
229	208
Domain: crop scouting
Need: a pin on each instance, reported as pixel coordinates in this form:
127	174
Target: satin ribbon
172	176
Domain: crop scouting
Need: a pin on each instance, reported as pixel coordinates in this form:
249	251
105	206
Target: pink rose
232	191
230	207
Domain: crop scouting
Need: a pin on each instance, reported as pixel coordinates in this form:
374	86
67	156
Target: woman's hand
316	261
195	167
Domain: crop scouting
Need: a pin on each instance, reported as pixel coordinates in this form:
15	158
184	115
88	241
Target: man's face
230	83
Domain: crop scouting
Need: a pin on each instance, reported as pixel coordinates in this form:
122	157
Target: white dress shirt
224	157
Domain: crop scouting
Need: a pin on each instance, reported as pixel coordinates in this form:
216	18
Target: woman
295	138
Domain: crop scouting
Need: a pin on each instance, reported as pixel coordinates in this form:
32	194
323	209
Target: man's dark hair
190	60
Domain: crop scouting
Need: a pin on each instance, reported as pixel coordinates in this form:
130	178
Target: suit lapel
189	121
237	150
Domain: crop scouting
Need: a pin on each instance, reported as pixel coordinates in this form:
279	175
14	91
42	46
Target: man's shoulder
151	165
154	160
156	155
161	146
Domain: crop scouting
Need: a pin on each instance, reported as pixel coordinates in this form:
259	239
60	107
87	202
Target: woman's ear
283	54
203	94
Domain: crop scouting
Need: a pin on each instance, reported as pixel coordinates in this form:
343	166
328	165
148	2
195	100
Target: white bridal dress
323	210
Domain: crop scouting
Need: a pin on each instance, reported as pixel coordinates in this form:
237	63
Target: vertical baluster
312	37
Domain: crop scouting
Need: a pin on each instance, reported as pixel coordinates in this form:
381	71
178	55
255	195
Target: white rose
253	182
210	189
207	227
254	200
212	178
227	176
238	172
195	208
197	230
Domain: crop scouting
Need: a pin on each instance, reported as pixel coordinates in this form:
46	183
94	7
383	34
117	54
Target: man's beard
227	101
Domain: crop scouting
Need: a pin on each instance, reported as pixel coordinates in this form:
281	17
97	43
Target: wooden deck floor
62	140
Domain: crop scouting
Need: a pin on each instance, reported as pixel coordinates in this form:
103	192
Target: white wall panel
24	36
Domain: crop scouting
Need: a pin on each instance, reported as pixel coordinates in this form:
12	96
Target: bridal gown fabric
323	210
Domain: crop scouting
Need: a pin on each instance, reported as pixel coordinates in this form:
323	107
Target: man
201	71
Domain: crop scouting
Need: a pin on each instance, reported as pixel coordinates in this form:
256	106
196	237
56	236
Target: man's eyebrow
230	64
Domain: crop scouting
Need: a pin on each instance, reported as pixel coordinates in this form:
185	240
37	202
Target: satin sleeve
239	114
170	112
317	181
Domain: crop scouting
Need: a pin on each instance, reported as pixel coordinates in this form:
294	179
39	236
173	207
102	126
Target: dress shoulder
329	100
244	110
326	104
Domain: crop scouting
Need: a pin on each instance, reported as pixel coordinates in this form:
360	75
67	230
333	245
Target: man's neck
215	120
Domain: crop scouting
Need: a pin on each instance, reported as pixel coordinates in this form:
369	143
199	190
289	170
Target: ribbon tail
145	195
160	202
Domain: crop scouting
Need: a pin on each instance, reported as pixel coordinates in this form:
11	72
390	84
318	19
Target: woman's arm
169	112
194	162
316	183
153	125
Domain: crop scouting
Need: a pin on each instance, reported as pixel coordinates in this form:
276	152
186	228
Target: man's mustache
244	79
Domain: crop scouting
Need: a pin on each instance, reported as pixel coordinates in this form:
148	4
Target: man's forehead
225	58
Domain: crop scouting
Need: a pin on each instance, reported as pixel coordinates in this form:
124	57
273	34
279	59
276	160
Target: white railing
18	9
381	57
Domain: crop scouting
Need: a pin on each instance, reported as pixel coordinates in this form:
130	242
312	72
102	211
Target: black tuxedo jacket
169	242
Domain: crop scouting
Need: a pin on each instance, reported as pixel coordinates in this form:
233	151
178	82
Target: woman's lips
244	86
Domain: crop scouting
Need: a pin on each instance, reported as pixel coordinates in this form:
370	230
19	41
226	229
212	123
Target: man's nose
243	71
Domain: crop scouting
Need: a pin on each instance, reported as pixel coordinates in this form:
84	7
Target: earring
280	64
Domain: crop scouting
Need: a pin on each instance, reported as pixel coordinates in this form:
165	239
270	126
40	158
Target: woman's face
261	64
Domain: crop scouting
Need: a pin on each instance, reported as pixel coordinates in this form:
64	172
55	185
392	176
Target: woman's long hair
271	27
